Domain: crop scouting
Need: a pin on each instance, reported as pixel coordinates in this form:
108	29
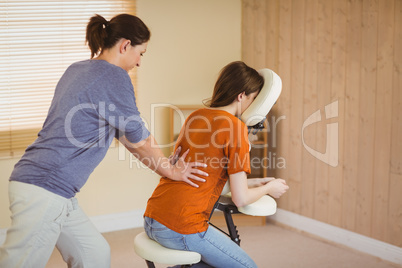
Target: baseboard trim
341	236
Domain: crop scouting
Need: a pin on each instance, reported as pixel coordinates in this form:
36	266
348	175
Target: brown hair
235	78
102	34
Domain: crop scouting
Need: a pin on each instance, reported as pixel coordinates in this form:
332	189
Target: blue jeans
216	249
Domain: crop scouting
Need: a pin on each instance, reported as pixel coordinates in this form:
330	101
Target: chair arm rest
264	206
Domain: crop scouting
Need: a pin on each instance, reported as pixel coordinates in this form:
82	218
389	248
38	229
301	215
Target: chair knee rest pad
150	250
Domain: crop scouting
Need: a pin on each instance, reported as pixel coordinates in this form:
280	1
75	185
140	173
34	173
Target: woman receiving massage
177	214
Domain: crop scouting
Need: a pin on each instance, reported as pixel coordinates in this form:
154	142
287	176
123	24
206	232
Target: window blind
38	41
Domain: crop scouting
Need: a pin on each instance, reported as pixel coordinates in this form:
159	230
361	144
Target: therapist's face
134	54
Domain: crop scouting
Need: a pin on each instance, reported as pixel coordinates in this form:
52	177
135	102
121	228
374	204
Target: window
38	41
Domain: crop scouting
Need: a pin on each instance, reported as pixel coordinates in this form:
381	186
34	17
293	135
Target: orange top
218	139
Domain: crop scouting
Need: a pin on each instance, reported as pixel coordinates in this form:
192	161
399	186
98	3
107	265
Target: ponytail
102	34
96	34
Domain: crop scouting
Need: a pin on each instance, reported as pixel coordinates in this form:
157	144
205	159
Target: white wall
191	41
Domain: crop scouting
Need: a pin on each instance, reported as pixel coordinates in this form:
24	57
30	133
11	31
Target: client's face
248	100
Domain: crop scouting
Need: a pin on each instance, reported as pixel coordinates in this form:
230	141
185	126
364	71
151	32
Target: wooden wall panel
307	195
383	118
259	48
296	88
324	58
351	113
366	123
394	219
338	85
248	32
272	32
271	61
283	104
396	156
347	52
321	169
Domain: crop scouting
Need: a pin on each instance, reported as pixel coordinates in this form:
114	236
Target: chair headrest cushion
269	94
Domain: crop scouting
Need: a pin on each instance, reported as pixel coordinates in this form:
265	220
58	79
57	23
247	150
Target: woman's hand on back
187	171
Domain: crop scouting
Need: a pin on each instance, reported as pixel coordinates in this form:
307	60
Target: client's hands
257	182
277	187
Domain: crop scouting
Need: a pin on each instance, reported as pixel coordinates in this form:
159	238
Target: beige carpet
269	245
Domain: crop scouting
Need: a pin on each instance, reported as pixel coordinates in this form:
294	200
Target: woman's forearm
256	182
242	195
149	153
